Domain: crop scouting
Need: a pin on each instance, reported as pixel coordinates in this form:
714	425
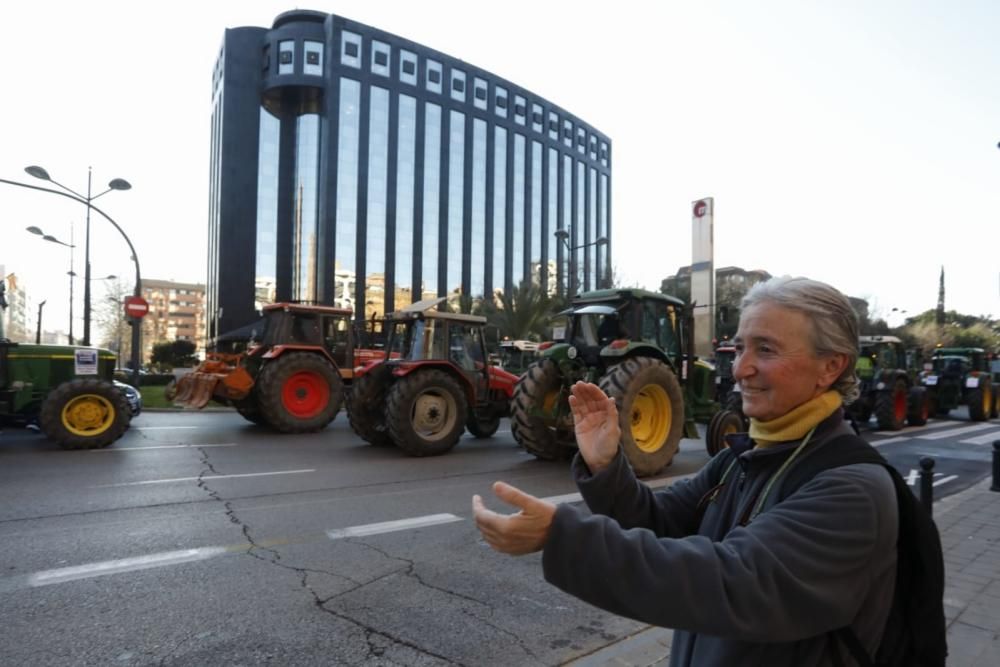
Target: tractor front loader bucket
220	377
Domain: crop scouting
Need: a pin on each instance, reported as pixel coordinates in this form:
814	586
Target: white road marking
392	526
983	439
63	574
206	477
957	431
132	449
889	441
162	428
944	480
653	484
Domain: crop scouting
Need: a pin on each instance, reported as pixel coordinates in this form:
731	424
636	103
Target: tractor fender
619	350
278	350
887	378
501	381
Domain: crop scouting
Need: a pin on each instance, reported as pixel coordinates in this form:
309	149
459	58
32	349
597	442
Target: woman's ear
832	367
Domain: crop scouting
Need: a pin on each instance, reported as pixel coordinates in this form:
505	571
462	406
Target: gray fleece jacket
762	594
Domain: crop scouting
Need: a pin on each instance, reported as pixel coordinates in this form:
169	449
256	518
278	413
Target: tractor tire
995	412
734	402
248	409
890	406
480	427
722	424
299	392
366	406
426	412
979	401
918	406
84	414
538	392
650	412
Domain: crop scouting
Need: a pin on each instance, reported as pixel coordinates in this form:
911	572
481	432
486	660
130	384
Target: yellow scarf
795	424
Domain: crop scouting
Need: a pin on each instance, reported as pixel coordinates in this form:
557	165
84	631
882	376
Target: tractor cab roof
289	307
957	351
621	295
427	308
871	340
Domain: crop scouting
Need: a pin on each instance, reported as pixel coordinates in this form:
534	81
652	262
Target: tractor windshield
416	340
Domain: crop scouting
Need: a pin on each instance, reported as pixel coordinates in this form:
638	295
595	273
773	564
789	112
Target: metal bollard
927	484
996	466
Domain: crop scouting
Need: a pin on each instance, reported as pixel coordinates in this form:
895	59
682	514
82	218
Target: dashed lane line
132	449
89	570
392	526
205	477
162	428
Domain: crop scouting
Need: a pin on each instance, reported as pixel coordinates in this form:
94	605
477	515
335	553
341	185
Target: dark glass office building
355	168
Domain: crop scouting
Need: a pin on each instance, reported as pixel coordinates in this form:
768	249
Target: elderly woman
744	576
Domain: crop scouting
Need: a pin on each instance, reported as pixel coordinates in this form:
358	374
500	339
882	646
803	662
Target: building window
480	93
536	118
568	133
501	102
432	199
286	63
408	67
458	85
553	125
350	53
380	57
604	154
519	109
499	207
433	76
314	58
581	140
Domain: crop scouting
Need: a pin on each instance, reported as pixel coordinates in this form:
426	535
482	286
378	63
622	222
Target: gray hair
834	322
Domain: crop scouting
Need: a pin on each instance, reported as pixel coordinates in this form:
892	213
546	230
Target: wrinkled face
775	364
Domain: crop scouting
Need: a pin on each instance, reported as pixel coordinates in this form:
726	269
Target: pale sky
850	142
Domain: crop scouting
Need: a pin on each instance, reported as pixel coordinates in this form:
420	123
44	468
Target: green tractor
730	418
960	376
637	346
67	392
888	390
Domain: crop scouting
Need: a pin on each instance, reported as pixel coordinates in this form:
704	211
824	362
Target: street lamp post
563	236
70	273
114	184
136	334
38	327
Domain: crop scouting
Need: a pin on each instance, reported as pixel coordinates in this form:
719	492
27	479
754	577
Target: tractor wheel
366	406
540	420
995	412
247	408
426	412
980	402
722	424
734	402
482	427
918	406
650	412
299	392
84	414
890	406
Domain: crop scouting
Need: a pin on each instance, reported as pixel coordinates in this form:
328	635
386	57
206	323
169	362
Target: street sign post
136	306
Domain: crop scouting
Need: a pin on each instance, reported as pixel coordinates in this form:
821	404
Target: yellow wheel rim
730	428
987	400
88	415
651	418
549	403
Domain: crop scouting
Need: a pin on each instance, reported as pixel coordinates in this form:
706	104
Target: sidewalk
969	523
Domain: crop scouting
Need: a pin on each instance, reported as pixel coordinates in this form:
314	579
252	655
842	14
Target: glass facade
388	173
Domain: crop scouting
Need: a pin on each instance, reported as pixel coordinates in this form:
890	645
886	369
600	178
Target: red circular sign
136	306
700	207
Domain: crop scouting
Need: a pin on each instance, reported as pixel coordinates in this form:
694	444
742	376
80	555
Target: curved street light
114	184
72	274
563	236
135	258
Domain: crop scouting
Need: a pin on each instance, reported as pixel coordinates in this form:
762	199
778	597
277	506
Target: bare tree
116	334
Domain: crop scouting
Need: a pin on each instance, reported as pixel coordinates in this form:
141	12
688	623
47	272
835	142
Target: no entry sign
136	306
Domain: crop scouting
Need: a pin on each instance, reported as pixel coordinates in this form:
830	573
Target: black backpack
915	633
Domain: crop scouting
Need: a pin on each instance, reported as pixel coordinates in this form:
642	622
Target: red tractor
292	375
434	383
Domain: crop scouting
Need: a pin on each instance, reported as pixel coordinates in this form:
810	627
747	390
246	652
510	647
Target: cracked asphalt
199	539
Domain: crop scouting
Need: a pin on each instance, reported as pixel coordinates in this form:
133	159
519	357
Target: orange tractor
292	375
434	383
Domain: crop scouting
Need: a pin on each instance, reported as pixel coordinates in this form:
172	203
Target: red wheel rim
900	405
305	394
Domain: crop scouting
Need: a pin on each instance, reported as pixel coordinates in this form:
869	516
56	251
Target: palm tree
523	314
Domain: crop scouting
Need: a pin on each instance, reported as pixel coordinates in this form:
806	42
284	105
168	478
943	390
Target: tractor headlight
571	352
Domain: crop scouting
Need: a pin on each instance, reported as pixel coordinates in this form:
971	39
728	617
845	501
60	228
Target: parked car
132	396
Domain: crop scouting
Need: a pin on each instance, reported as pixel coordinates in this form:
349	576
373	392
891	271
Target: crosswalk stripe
982	439
954	432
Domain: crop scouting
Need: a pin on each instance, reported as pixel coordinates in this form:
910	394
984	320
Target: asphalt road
199	539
